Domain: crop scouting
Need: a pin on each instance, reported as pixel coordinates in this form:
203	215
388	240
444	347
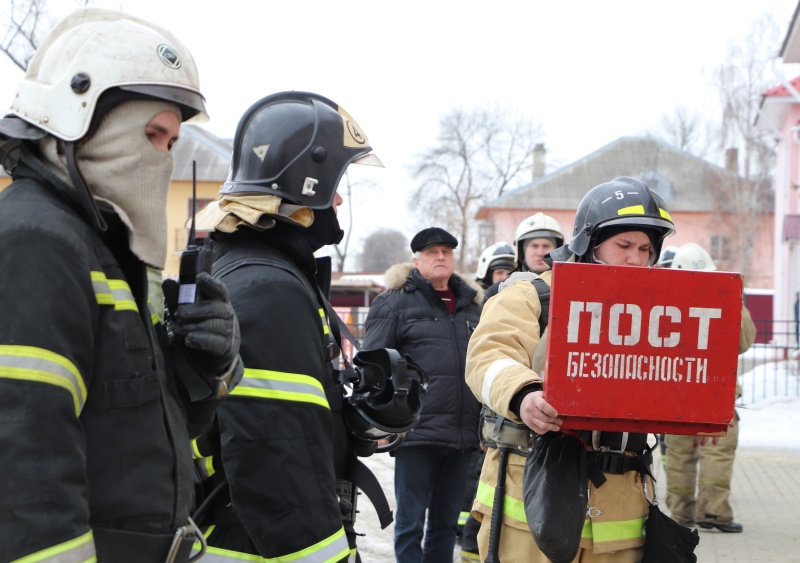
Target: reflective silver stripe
267	384
78	550
488	379
328	550
113	292
37	364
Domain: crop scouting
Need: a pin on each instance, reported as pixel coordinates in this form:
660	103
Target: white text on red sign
700	315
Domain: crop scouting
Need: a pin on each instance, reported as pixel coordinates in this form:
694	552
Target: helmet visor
370	159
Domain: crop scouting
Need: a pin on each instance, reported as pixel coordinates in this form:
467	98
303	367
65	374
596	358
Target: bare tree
740	83
345	188
689	131
25	23
481	153
384	248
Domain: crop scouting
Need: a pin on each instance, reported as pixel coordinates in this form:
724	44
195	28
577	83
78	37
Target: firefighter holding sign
618	223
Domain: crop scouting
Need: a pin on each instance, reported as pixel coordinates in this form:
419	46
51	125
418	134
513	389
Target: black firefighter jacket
93	427
279	426
411	318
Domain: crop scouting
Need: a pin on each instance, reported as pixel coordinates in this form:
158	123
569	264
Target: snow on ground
769	414
770	403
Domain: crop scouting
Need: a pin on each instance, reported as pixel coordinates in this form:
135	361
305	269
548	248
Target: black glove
207	330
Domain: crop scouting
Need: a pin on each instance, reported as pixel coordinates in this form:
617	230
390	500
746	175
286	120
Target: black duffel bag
666	541
554	487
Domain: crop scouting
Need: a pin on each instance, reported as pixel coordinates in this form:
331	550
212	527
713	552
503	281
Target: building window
720	247
486	234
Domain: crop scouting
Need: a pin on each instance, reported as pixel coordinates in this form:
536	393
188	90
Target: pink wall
690	227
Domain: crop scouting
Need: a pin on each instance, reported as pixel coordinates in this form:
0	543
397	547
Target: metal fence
770	368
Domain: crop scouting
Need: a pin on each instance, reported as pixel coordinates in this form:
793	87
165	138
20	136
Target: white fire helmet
498	255
692	256
538	225
667	256
93	51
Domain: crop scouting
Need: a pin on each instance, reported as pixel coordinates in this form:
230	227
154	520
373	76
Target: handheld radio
196	258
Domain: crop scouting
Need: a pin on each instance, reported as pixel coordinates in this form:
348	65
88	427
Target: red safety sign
643	349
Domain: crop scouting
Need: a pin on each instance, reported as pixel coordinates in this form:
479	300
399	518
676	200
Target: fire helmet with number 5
298	145
622	202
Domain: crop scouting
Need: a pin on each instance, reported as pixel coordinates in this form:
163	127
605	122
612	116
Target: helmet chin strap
82	192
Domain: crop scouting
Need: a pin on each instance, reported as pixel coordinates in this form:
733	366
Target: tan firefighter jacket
500	358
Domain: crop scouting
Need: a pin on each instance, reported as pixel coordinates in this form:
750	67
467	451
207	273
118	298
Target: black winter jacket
411	318
94	428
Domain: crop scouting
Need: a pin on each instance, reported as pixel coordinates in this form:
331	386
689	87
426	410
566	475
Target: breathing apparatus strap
355	471
83	193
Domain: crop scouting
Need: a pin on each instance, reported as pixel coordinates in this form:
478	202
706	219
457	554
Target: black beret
430	236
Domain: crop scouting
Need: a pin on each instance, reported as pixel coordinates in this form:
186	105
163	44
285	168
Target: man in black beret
430	236
428	313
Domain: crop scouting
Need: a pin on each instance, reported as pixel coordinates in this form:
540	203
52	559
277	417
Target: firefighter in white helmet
495	264
536	236
100	401
699	474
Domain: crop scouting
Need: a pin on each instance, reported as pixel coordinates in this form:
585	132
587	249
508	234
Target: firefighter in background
711	464
99	402
535	237
282	446
621	222
495	264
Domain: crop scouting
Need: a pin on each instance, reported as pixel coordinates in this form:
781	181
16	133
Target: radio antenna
194	201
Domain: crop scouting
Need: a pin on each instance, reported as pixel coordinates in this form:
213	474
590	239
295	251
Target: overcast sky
589	71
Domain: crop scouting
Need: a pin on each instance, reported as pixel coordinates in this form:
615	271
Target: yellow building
212	157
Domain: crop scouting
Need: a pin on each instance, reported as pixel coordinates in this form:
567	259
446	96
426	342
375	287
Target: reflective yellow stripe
665	214
155	318
208	465
113	292
219	555
325	328
612	531
78	550
469	557
196	450
632	210
267	384
512	507
328	550
37	364
462	517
